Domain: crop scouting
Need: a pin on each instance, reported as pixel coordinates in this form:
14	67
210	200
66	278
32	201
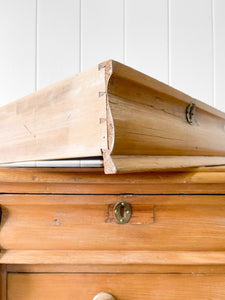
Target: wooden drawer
122	286
86	222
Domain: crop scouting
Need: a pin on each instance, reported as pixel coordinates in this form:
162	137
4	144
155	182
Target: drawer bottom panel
123	286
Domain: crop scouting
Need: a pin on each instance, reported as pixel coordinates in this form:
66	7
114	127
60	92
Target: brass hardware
104	296
122	212
190	110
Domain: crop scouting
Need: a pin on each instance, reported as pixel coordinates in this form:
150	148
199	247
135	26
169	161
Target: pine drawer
87	222
121	286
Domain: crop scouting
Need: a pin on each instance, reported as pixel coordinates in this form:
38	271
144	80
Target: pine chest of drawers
146	221
62	239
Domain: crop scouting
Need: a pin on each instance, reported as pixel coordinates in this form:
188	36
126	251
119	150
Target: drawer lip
74	181
115	257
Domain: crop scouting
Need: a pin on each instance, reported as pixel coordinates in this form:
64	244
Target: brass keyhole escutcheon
190	112
122	212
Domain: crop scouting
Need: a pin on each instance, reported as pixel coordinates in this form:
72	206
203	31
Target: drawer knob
104	296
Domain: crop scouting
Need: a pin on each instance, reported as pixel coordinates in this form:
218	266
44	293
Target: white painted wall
180	42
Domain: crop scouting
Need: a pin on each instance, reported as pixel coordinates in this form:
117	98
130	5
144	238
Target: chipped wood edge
109	167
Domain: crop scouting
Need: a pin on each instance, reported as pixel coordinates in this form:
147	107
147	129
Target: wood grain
149	119
114	111
28	133
79	222
73	181
112	258
142	163
122	286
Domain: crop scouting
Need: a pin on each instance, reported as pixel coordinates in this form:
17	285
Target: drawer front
86	222
121	286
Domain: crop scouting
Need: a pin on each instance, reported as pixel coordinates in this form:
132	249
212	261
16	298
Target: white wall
180	42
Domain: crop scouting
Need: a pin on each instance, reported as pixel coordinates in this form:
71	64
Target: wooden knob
104	296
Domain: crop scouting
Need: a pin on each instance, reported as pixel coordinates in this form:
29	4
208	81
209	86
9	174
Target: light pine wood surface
122	286
135	122
59	238
43	125
79	222
61	246
120	259
86	181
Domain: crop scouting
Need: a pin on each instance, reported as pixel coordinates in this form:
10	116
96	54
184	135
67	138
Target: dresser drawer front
86	222
121	286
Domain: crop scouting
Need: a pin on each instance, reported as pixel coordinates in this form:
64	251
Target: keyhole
122	210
